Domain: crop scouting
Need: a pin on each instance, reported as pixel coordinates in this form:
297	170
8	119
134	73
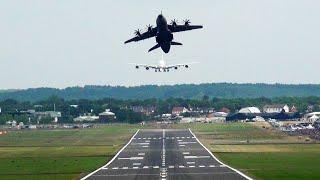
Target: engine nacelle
186	66
137	67
176	68
147	68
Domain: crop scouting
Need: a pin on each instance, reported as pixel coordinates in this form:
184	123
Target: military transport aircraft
162	66
163	33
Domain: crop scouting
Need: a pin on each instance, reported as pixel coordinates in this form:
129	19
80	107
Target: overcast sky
75	42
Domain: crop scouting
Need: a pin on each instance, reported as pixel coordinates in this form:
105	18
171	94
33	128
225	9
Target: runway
165	154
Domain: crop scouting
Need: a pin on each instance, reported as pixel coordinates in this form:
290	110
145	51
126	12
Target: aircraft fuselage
164	36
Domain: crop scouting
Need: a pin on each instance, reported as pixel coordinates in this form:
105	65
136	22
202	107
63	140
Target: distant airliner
162	66
163	33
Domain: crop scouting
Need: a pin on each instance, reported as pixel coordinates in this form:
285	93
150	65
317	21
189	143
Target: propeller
137	32
149	28
187	22
174	22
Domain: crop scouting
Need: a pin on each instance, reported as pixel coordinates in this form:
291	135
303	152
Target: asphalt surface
165	154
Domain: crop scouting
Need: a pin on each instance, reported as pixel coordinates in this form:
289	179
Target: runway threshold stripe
132	158
196	157
187	142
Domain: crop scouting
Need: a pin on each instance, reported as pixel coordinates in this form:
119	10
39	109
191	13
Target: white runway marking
145	146
186	153
170	167
179	140
145	143
136	164
182	145
196	157
187	142
132	158
141	154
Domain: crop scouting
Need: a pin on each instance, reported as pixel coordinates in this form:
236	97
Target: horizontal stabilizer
176	43
154	47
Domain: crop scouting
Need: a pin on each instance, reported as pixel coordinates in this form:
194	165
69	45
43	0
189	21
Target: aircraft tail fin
176	43
154	47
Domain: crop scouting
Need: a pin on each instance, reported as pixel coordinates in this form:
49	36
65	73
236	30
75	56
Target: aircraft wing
144	66
179	28
145	35
181	65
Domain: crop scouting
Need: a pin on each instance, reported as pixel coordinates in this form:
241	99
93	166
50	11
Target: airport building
276	108
250	110
86	118
106	116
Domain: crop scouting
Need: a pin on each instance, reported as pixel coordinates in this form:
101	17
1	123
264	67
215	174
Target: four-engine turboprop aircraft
162	66
163	33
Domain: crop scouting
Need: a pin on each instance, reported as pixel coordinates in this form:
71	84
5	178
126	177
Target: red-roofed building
178	110
225	110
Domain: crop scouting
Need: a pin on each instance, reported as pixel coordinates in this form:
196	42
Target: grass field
59	154
268	155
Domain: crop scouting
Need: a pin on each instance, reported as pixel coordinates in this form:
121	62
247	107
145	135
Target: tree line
185	91
11	109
